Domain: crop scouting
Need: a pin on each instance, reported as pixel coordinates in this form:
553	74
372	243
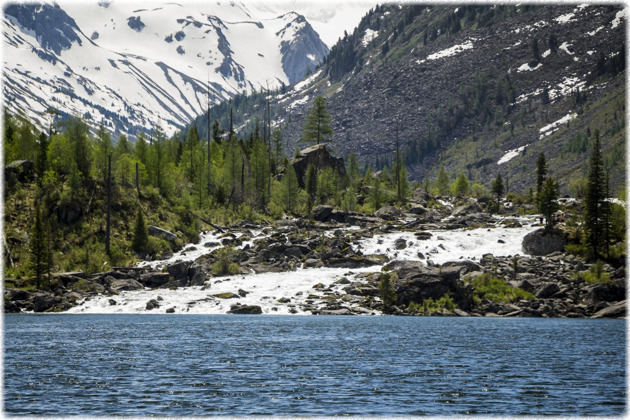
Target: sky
330	18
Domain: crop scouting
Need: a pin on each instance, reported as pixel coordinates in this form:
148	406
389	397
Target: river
286	292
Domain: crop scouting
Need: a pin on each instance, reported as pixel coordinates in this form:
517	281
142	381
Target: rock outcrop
319	157
544	241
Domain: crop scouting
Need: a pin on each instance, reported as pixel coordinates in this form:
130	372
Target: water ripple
145	365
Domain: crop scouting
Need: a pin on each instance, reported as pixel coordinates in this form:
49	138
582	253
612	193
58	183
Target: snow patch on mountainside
528	67
554	126
368	37
511	154
622	14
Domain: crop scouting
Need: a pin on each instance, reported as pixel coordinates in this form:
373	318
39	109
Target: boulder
198	271
427	283
547	290
179	270
466	210
400	243
245	310
19	170
610	292
226	295
120	285
161	233
423	236
322	213
44	301
319	157
617	310
341	311
417	209
544	241
15	294
388	213
152	304
293	251
312	263
154	279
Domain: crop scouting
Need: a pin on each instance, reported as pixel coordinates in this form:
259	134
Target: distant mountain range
134	65
477	89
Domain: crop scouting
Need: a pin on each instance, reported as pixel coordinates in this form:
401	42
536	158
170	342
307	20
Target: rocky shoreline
329	240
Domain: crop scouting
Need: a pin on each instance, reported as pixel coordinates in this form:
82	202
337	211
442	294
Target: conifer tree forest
86	201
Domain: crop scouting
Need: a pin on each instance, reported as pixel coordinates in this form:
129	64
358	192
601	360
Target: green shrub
596	273
224	265
386	289
433	306
492	288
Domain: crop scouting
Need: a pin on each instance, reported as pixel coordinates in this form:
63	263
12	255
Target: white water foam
310	286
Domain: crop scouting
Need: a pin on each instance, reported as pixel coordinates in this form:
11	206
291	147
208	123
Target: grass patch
596	274
492	288
445	303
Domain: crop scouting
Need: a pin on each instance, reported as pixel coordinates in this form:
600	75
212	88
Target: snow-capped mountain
478	89
134	65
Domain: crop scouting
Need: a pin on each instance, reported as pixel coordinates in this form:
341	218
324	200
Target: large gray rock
44	301
161	233
120	285
245	310
388	212
617	310
19	170
179	270
417	209
416	282
199	271
544	241
547	290
154	279
466	209
319	157
322	213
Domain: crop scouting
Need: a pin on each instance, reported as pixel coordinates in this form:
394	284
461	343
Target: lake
191	365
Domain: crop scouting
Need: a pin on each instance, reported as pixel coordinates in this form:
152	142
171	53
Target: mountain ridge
464	86
136	68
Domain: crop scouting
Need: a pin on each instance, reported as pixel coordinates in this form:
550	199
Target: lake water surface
190	365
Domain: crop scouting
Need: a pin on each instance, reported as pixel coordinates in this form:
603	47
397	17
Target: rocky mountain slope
133	67
478	89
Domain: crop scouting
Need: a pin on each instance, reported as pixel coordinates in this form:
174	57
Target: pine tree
442	182
39	249
140	241
42	157
353	168
548	200
376	193
311	183
123	146
192	140
460	186
497	189
318	128
77	131
594	214
141	148
104	149
289	190
259	167
541	172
